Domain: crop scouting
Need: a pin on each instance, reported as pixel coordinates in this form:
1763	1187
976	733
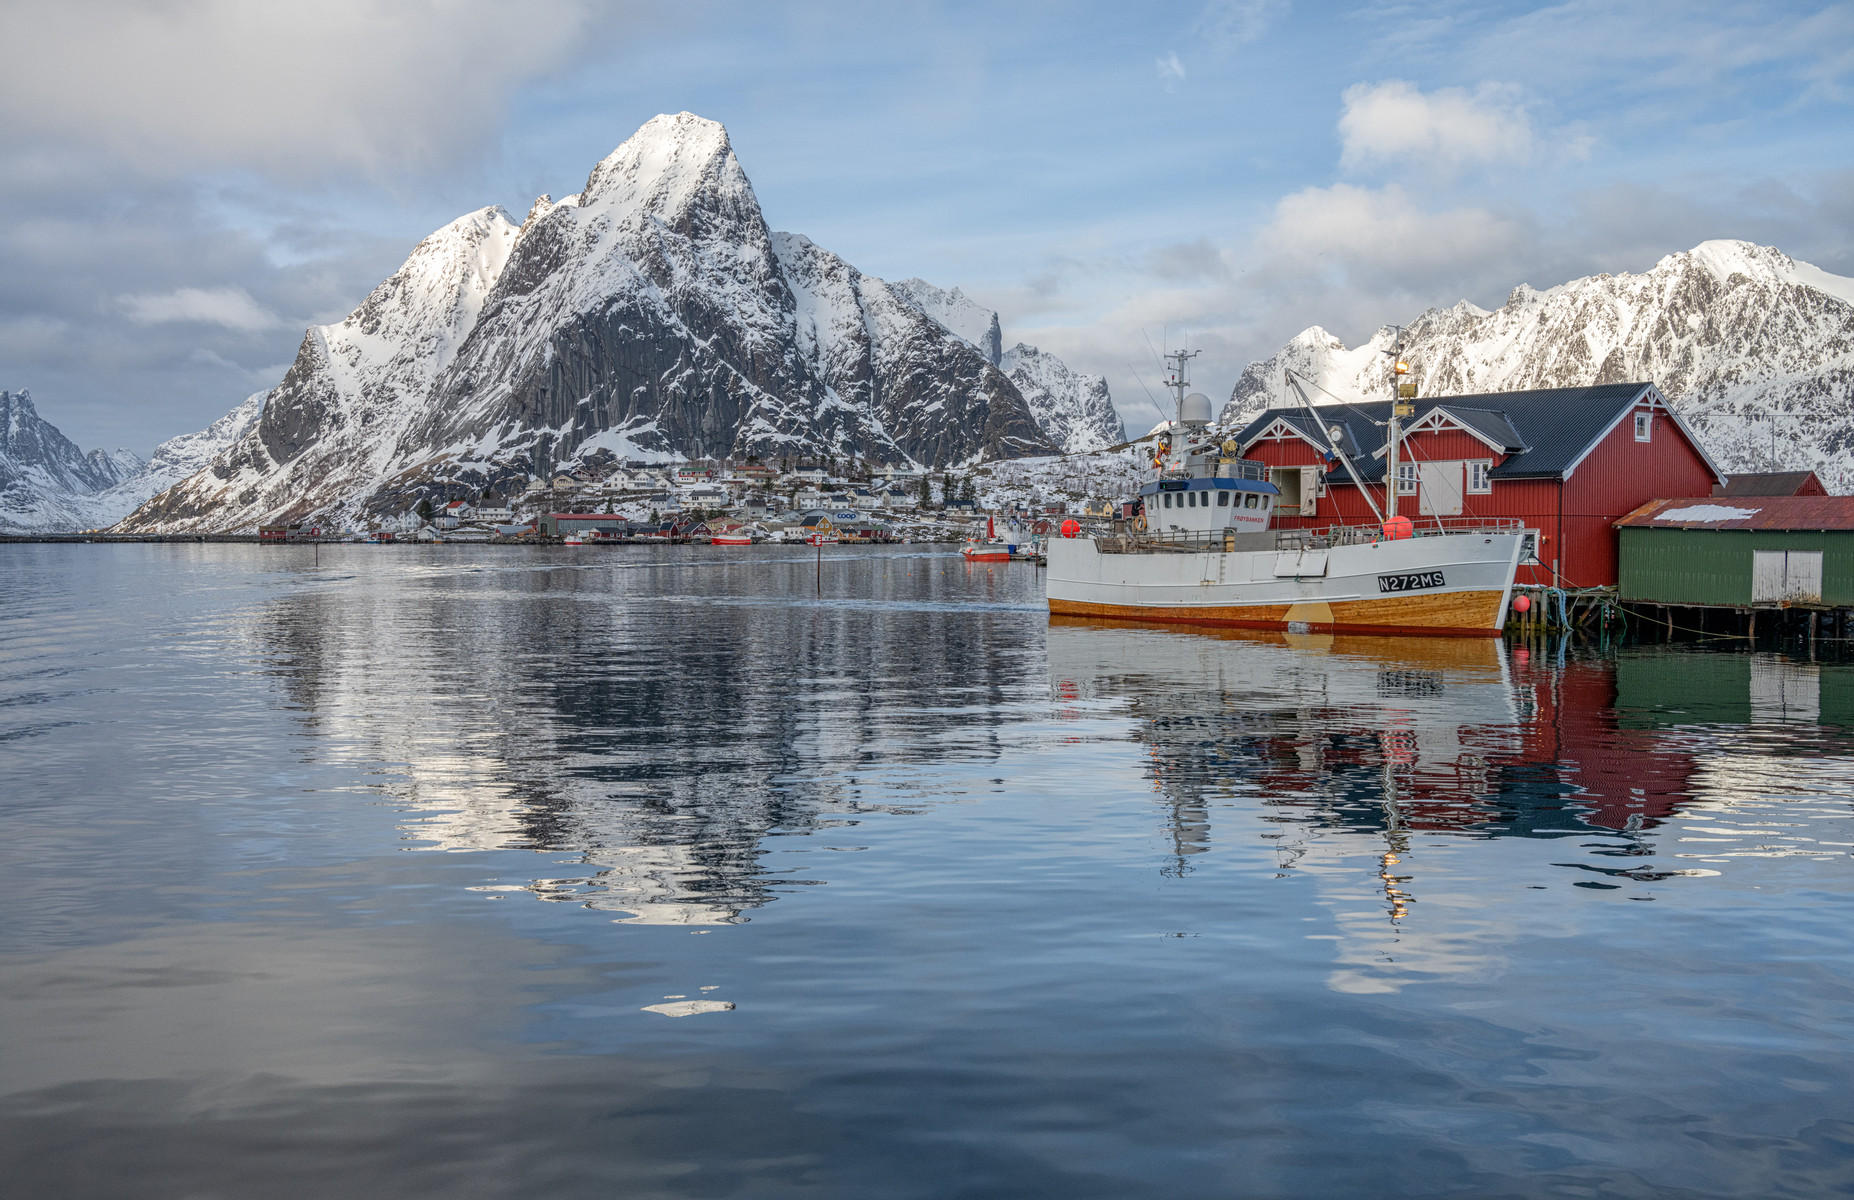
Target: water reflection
1111	912
658	740
659	737
1392	736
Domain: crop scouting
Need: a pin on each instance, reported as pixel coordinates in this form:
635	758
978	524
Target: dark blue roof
1548	428
1496	427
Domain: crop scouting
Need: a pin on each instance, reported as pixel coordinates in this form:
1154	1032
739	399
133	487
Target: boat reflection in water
1372	764
1373	735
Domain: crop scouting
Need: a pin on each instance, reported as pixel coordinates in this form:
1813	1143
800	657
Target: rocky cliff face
1755	350
951	308
652	314
1073	409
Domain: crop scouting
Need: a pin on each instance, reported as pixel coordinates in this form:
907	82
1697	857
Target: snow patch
1706	513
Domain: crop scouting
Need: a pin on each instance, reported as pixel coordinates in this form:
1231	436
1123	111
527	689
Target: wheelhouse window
1223	499
1168	499
1644	426
1480	477
1406	479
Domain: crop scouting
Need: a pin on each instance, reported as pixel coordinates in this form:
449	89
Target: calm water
476	872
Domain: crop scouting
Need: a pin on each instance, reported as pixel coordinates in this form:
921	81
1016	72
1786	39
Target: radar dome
1197	409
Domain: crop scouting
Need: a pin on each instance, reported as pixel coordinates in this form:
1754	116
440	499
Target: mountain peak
663	168
1725	257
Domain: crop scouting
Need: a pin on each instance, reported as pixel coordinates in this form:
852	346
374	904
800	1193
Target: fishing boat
994	548
1203	550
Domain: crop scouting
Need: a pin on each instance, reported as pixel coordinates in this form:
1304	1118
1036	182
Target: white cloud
1443	130
369	84
1381	231
1170	69
229	307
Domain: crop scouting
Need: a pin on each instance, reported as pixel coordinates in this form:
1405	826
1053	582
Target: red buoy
1397	528
1521	603
1071	528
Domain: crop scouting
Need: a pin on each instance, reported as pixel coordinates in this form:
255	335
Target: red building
1567	461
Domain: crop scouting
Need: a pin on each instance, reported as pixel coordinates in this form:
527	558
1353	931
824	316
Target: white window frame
1644	426
1407	476
1480	477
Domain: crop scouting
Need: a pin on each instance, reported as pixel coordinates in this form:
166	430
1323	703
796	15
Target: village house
705	495
1568	462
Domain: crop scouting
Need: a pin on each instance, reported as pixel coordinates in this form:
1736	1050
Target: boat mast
1178	381
1393	432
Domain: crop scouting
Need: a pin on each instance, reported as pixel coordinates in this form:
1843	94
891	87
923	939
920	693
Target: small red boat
992	549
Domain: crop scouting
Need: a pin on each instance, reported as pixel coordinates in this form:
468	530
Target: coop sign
1409	581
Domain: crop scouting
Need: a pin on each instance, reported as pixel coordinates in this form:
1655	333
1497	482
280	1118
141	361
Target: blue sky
186	186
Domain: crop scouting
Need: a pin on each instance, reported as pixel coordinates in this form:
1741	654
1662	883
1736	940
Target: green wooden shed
1740	552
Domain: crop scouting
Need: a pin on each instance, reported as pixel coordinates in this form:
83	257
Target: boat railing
1206	467
1326	536
1127	541
1242	468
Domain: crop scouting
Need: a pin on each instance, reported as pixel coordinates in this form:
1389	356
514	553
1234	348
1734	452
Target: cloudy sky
186	185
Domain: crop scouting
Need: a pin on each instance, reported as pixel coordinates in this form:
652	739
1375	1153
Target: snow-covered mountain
653	314
1073	409
972	321
48	485
1755	350
46	481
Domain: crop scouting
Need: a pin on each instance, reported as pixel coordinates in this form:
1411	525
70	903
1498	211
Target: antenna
1180	379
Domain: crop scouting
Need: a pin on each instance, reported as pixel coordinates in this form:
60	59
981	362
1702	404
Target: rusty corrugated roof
1744	512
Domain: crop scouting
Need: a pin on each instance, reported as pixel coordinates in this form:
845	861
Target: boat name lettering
1409	581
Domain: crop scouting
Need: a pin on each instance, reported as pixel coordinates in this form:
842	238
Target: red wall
1617	477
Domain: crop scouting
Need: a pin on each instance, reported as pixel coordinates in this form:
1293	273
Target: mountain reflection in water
863	878
661	740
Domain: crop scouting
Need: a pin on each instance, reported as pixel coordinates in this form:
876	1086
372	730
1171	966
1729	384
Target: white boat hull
1455	583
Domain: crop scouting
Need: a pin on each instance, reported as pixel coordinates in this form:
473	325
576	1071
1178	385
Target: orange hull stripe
1461	614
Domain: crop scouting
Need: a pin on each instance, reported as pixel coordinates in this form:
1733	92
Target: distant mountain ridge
1754	349
653	314
49	485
